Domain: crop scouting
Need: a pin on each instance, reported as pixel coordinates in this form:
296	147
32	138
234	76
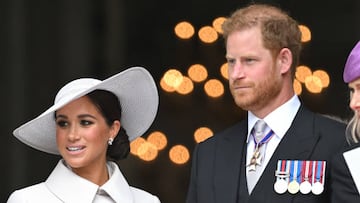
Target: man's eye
231	62
249	60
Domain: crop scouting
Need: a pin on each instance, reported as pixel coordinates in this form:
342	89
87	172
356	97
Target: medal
255	159
318	177
282	176
317	188
293	186
280	186
305	186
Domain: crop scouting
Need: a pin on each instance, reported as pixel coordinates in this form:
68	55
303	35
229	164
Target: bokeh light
305	33
158	139
217	24
297	87
184	30
208	34
313	84
147	151
179	154
224	71
197	73
186	86
202	134
302	72
214	88
166	87
173	78
135	144
323	76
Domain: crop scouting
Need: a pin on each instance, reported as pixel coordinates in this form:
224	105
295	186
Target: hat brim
139	101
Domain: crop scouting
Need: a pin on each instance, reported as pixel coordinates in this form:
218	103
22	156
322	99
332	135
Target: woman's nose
355	101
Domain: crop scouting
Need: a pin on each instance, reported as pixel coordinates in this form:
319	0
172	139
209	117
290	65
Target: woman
90	124
346	166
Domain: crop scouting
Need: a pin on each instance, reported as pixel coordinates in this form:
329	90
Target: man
291	162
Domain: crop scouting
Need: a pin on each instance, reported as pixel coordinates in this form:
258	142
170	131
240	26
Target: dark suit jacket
218	167
342	184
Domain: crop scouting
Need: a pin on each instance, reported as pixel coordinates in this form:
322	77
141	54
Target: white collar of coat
69	187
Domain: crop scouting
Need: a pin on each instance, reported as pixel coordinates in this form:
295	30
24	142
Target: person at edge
345	182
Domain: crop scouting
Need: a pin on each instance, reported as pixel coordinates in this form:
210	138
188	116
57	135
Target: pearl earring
110	141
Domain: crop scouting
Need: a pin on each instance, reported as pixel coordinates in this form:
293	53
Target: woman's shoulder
29	193
143	196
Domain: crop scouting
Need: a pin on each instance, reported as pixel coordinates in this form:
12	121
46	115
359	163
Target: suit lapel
298	143
229	153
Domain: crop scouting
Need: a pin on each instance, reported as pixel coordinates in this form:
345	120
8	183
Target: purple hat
352	66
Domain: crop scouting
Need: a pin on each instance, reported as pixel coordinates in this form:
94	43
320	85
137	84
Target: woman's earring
110	141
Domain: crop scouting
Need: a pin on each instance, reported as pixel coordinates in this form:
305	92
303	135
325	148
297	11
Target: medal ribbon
321	178
304	171
294	168
299	170
264	139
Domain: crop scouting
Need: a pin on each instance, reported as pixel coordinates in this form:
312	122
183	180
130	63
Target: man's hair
278	29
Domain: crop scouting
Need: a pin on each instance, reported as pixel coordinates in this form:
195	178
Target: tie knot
259	129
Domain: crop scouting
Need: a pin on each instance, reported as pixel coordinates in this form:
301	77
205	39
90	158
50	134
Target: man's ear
285	60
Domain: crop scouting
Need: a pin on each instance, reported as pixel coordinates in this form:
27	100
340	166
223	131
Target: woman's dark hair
109	106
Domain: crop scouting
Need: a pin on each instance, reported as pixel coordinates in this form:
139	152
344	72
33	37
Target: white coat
64	186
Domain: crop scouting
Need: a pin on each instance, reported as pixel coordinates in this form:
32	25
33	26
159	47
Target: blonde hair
352	132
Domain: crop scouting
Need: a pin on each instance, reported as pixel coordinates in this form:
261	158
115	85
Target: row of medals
282	184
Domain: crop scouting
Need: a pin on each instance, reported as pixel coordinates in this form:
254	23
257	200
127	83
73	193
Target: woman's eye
62	123
85	122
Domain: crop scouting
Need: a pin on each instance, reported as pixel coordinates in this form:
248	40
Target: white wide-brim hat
135	89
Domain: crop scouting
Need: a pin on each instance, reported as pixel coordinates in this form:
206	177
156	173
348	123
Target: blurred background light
302	72
135	144
173	78
147	151
184	30
202	134
208	34
217	23
305	33
323	76
158	139
297	87
186	86
197	73
313	84
214	88
224	71
179	154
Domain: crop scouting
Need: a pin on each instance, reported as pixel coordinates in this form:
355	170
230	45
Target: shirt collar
278	120
117	187
67	186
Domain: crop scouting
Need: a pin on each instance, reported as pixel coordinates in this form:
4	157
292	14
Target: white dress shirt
279	121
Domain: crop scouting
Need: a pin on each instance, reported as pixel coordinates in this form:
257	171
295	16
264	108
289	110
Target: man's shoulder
330	121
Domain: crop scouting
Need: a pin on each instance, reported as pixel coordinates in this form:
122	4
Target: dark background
45	44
